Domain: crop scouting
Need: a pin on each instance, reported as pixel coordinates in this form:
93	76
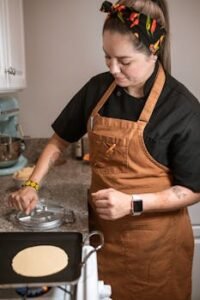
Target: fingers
24	199
103	213
14	201
101	203
101	207
31	206
101	200
102	194
111	204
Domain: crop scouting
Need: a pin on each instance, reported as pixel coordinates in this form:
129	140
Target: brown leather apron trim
104	98
153	96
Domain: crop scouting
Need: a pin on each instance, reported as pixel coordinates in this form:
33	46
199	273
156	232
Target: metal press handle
87	238
41	205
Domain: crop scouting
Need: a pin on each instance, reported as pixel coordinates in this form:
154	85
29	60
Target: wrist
32	184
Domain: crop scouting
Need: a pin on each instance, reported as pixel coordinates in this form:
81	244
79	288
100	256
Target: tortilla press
44	216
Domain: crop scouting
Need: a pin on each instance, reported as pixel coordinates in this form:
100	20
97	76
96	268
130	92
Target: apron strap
103	99
150	103
153	96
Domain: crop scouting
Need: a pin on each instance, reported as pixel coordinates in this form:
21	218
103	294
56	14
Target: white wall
185	36
64	49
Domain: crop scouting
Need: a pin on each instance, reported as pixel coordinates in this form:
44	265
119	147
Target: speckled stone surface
66	184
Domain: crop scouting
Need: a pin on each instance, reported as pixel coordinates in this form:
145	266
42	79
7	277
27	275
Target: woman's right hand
25	199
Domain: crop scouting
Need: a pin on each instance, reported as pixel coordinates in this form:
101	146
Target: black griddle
13	242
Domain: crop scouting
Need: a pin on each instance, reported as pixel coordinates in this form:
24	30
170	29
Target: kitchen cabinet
3	75
12	54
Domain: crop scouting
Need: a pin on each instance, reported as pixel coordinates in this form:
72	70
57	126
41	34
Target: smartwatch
136	205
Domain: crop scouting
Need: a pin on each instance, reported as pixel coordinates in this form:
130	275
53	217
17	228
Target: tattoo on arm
179	192
53	159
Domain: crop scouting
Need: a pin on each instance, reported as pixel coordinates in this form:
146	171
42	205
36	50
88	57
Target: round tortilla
42	260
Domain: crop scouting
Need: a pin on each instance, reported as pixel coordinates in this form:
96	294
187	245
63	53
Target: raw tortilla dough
42	260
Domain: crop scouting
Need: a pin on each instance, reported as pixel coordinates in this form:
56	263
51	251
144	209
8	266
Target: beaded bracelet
32	184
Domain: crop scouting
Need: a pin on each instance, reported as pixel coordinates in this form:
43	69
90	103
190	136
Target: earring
155	57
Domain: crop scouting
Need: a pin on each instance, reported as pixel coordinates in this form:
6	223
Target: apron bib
147	257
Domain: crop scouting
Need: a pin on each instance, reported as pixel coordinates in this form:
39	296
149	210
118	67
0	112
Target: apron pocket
108	154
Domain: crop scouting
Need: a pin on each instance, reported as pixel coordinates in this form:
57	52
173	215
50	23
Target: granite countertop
66	184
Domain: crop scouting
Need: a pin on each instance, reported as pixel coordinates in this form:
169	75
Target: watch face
138	206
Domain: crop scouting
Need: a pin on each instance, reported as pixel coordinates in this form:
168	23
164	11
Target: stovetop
88	287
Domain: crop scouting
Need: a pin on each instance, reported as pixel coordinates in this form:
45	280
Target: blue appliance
9	125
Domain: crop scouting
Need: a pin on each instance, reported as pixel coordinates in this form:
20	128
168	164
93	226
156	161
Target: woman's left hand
111	204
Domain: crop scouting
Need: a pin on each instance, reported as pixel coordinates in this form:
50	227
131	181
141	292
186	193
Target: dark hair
156	9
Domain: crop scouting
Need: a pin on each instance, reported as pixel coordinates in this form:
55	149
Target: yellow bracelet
32	184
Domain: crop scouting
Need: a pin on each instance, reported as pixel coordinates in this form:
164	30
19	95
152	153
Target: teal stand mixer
11	140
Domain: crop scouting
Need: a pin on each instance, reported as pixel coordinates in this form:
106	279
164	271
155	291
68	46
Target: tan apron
147	257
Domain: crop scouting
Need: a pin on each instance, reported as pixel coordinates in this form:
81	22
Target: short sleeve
184	155
70	124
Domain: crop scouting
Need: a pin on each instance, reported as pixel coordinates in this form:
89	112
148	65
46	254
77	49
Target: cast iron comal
71	242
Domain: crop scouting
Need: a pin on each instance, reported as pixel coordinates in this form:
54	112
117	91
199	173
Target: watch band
136	205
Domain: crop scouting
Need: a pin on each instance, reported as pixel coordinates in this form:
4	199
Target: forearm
173	198
48	158
111	204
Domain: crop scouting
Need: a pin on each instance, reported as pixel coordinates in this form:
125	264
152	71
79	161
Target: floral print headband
146	29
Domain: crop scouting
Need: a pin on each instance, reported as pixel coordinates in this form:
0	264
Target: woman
144	143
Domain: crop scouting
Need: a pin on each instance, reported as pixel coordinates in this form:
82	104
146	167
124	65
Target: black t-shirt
172	135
